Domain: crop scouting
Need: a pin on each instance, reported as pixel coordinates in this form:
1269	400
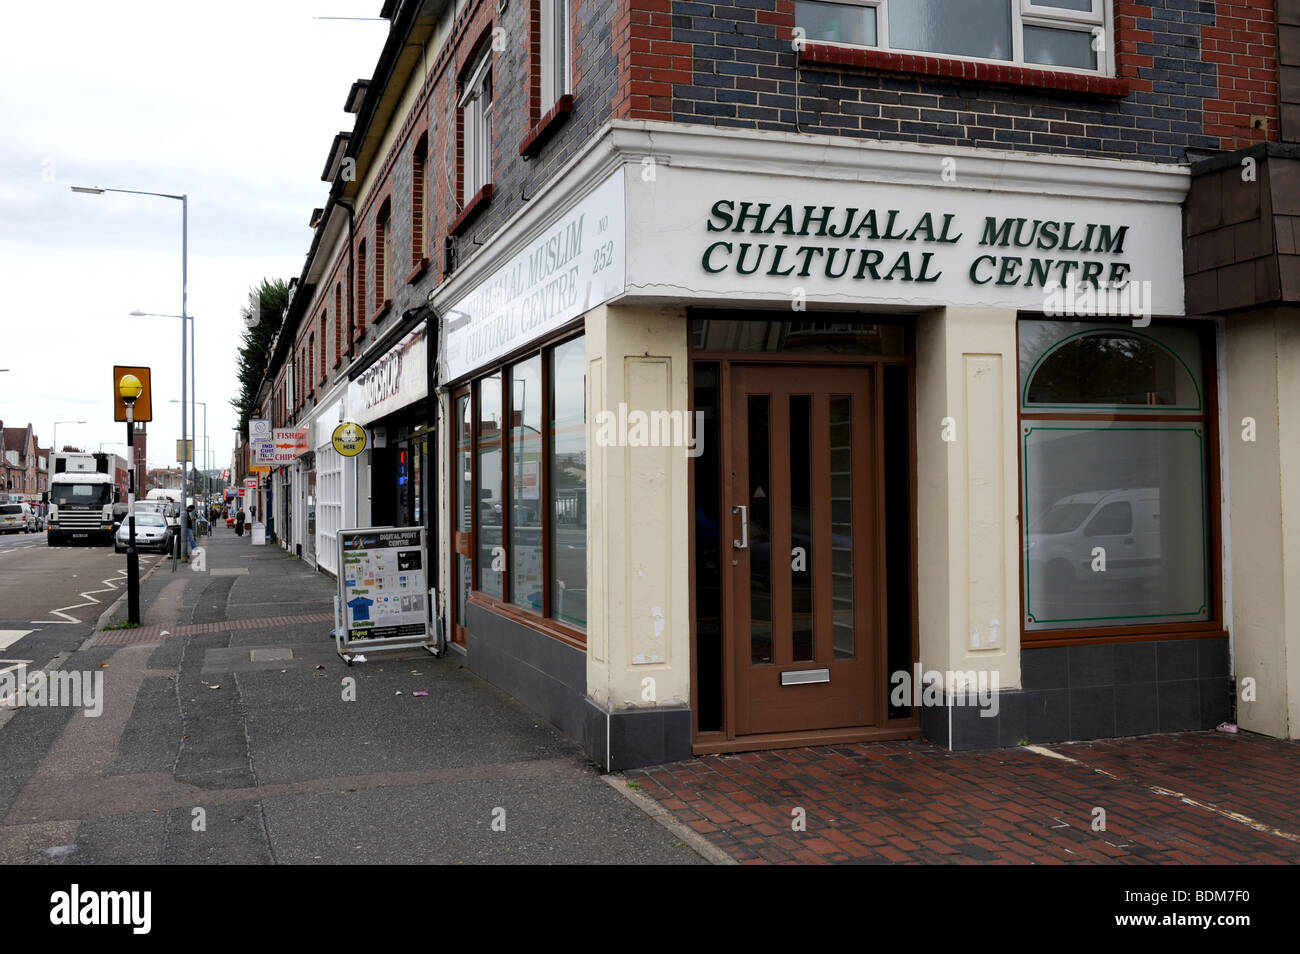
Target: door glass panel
841	434
491	555
801	542
526	483
760	529
464	476
464	581
567	487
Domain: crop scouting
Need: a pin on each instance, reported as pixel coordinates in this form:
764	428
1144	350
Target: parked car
151	533
17	518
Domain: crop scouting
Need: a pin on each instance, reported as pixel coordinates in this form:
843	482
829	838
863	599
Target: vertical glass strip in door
760	528
841	439
801	527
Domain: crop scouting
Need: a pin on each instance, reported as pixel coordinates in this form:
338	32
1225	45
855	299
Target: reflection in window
1110	368
836	22
491	555
526	483
567	477
1116	530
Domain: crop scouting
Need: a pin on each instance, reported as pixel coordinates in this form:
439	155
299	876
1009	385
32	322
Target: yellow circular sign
349	439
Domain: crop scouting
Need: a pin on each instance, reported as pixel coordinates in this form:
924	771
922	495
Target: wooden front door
802	548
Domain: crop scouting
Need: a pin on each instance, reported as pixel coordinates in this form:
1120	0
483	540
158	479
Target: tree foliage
262	316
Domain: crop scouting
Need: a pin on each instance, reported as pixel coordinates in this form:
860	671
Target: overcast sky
234	104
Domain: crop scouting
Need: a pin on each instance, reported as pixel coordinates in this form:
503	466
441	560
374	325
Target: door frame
462	542
726	740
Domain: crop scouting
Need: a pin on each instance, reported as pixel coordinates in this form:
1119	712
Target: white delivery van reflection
1125	524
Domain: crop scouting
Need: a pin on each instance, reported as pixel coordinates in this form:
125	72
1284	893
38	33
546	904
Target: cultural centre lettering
889	245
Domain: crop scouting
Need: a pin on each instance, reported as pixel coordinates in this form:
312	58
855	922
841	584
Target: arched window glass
1108	368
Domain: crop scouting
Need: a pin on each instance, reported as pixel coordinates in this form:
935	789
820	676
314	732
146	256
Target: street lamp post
56	432
130	388
204	405
185	269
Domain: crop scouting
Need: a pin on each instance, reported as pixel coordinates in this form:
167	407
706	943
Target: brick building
24	464
980	312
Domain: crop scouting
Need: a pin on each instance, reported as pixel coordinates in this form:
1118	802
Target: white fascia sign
710	236
397	379
574	265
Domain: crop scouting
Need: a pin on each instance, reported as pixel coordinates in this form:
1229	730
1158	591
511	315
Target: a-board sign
383	593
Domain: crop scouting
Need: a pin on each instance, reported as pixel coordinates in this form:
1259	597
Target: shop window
567	483
526	484
1117	507
491	556
1057	34
525	503
476	141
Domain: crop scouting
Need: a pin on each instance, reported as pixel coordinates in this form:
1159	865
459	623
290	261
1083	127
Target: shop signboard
397	379
718	237
384	598
571	267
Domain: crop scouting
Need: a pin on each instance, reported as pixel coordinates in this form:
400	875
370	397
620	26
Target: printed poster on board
383	582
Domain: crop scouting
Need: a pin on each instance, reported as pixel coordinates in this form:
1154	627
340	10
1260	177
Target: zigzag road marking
111	585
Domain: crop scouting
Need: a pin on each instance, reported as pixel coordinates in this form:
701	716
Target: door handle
743	542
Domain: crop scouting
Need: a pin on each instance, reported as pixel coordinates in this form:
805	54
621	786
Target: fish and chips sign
285	445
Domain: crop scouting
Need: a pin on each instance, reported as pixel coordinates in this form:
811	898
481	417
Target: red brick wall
1243	45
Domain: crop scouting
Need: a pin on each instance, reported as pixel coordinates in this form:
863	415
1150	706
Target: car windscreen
149	520
81	495
1062	518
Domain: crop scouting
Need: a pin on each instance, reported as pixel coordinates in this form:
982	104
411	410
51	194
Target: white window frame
1023	13
476	145
556	42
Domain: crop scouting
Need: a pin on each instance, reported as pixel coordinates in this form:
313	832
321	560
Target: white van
1125	523
17	518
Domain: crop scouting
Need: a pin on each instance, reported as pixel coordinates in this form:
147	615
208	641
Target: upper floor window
476	144
383	257
419	170
555	51
1057	34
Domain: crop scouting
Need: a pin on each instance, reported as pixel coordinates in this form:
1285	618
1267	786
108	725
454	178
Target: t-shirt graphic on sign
361	607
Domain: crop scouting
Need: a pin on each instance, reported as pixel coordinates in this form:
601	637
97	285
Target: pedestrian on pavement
239	522
190	518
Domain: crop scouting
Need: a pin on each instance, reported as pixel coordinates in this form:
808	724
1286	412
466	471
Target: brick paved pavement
1190	798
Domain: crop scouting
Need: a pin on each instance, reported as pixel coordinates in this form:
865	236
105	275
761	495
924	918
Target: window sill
1008	74
477	203
383	311
546	127
419	270
547	627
